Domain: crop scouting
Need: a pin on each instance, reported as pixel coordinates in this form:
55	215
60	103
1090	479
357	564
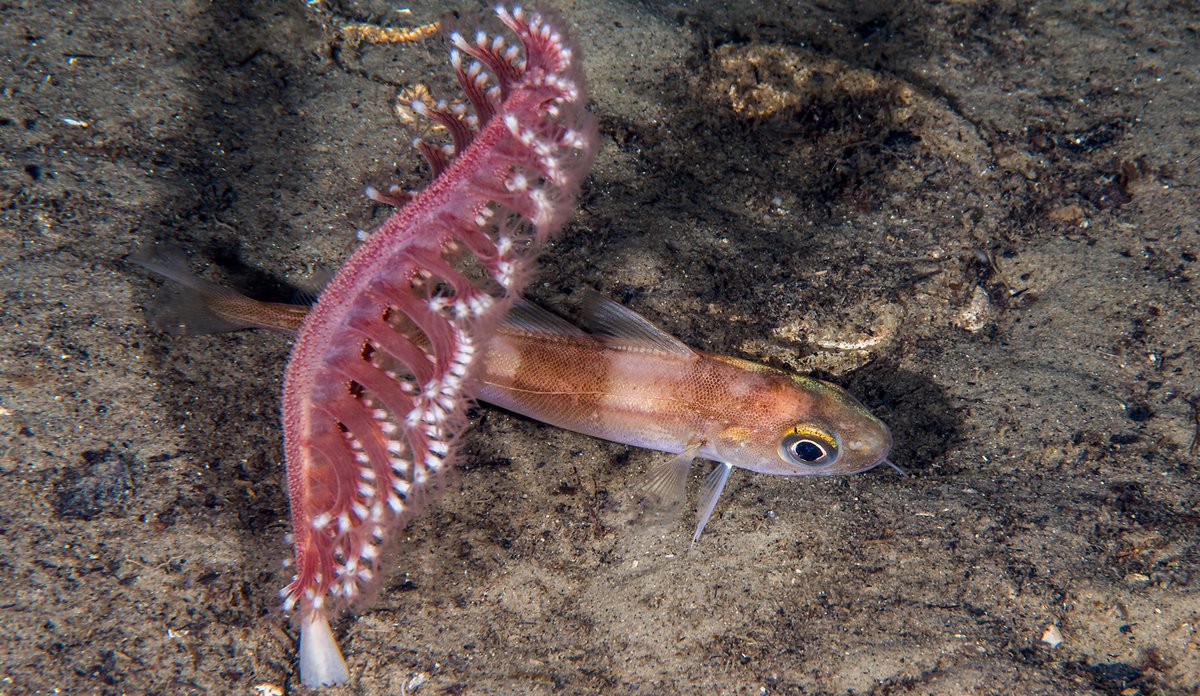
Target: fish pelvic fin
714	483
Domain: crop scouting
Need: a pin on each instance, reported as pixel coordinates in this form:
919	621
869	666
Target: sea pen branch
377	387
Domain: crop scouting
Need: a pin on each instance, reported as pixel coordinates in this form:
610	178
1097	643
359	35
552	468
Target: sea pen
378	382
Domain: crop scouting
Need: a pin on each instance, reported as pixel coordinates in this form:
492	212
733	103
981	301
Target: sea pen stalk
379	379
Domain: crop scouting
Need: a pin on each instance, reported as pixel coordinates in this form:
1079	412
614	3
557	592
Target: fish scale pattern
378	384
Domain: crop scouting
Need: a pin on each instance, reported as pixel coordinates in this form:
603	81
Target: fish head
811	428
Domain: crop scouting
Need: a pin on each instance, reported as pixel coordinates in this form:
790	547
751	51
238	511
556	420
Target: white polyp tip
321	662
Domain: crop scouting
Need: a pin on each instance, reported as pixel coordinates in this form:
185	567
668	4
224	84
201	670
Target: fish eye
808	446
808	450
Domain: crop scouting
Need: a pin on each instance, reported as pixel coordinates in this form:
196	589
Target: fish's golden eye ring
809	446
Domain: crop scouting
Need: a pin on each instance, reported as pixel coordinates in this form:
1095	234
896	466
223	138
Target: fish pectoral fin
714	483
666	482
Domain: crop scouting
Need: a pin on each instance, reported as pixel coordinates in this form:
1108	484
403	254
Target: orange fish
627	381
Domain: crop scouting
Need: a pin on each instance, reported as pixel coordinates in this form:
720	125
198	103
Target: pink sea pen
378	382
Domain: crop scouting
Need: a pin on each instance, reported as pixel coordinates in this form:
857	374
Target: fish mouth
873	450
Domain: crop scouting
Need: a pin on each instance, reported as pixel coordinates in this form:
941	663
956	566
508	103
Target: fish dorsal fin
311	289
526	317
624	329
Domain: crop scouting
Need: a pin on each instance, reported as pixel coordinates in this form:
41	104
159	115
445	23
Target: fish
619	377
625	380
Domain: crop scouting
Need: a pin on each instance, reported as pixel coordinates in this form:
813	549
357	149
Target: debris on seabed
415	682
974	317
1052	636
1137	579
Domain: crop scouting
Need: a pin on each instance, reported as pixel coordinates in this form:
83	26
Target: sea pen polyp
379	378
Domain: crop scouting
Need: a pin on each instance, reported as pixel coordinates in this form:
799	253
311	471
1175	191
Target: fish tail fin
192	305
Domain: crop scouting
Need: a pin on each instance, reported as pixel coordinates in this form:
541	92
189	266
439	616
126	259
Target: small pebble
974	317
1137	580
1052	636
